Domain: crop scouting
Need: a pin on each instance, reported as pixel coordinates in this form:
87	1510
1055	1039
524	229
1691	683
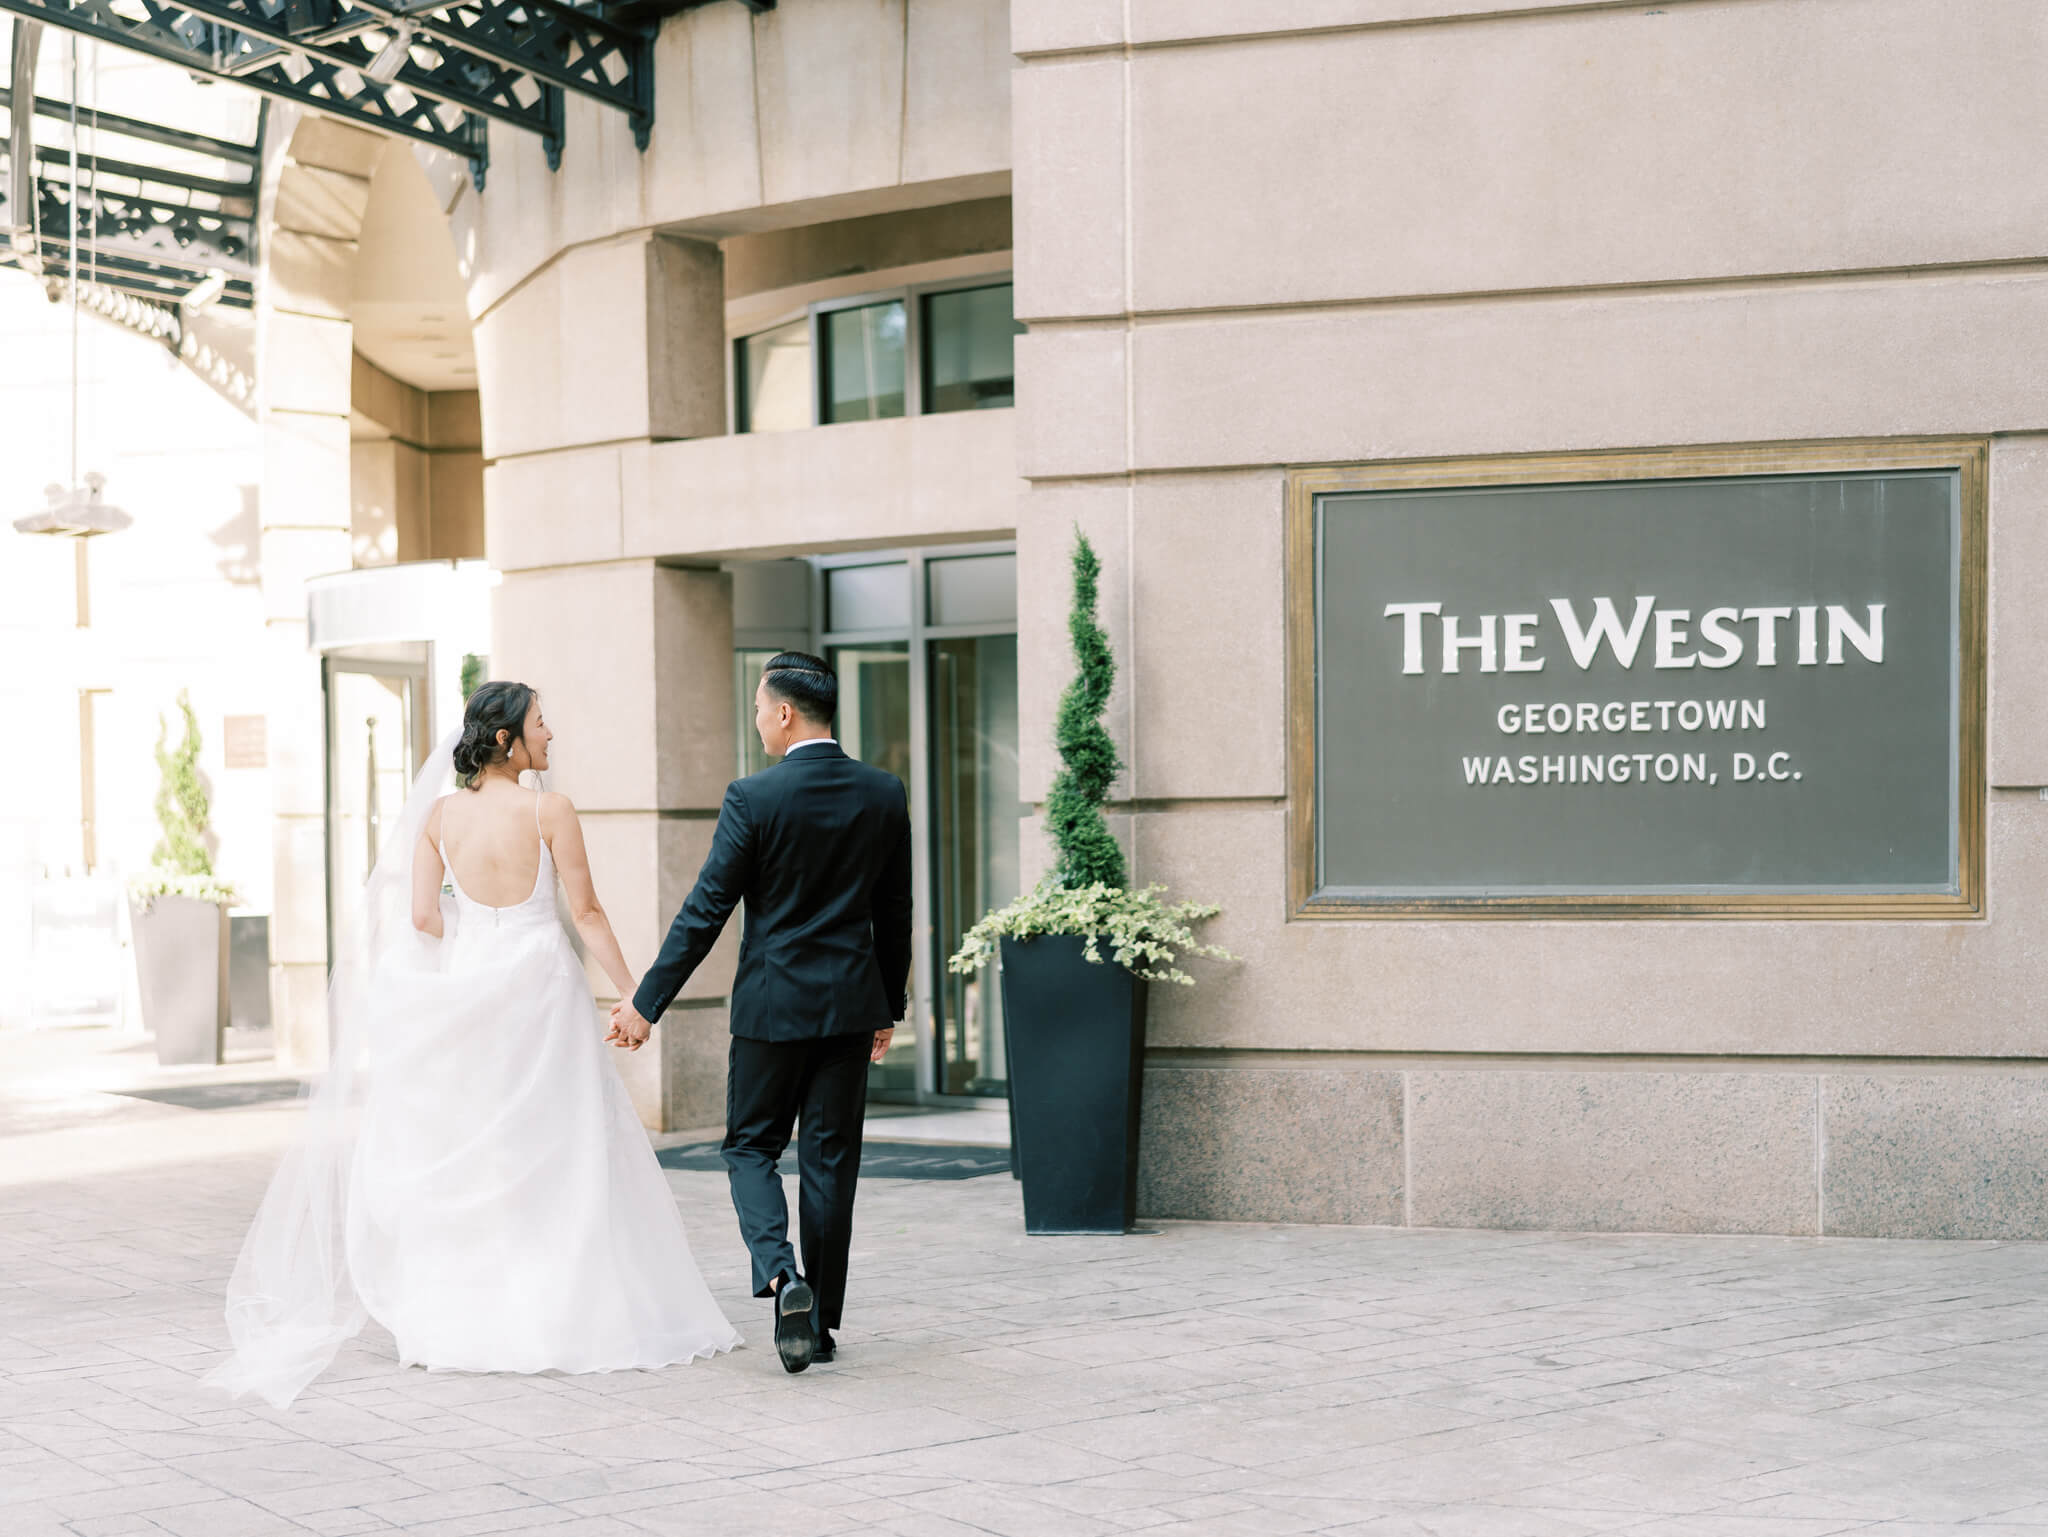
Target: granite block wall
1866	1152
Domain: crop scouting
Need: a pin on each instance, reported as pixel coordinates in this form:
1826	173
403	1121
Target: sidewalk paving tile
1222	1380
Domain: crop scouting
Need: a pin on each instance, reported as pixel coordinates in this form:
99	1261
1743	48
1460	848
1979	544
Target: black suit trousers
821	1086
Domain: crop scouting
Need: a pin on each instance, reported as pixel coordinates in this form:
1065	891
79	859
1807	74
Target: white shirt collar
814	741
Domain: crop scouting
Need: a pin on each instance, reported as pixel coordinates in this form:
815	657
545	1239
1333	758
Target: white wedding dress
472	1175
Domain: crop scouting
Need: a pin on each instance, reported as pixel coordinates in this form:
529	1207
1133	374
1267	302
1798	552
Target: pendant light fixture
81	511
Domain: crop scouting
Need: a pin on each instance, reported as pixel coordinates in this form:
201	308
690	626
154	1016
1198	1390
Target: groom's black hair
804	682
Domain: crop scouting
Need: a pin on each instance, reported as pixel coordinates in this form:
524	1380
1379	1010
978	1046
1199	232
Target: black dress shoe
828	1347
795	1340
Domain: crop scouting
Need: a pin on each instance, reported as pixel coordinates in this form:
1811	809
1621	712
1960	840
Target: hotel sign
1743	683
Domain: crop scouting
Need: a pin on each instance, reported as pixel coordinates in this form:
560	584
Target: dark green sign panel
1717	686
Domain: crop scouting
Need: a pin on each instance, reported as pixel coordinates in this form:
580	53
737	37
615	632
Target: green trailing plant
151	884
1146	933
1085	893
472	674
181	805
1086	852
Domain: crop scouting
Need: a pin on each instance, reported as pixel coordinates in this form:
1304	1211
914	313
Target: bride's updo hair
494	707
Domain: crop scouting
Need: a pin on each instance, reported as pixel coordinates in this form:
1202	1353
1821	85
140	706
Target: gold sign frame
1967	457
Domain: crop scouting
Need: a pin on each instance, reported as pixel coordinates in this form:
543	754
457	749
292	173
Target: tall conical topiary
181	804
1084	895
1087	854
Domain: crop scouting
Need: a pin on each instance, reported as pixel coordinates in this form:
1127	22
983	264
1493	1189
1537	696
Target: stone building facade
901	293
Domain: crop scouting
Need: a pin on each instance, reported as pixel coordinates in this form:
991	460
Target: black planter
1077	1066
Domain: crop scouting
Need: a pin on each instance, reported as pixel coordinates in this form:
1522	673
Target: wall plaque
1732	682
245	741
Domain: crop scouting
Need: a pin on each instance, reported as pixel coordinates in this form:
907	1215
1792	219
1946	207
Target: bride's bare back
490	837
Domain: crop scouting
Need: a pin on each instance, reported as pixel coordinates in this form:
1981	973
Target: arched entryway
372	512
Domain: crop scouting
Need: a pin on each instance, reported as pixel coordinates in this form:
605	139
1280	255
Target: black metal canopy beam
250	155
565	45
181	35
143	279
198	45
176	275
445	65
142	226
138	228
449	76
241	196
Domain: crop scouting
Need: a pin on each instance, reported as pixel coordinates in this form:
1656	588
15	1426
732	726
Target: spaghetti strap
537	794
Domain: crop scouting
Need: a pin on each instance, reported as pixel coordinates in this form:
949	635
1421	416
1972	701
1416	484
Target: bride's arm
565	839
427	876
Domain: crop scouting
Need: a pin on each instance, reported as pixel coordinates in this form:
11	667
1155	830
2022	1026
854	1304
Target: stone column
607	349
633	661
321	185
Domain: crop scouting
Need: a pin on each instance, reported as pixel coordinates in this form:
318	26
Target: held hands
628	1030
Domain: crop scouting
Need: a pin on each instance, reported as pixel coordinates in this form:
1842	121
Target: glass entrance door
874	726
973	681
376	741
925	645
874	705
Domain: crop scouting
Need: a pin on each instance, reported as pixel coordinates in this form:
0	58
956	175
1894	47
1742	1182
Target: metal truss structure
149	231
432	70
147	238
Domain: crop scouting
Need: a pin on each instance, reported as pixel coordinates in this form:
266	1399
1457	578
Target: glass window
969	346
771	603
864	362
868	597
748	666
775	379
972	589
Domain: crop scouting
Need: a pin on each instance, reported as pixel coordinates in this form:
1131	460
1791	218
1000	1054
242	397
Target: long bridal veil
291	1302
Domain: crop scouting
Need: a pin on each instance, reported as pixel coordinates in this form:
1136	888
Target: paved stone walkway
1209	1379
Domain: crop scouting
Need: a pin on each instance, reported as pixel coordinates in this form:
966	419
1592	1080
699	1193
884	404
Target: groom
818	846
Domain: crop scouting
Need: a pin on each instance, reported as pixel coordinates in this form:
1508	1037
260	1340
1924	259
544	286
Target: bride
471	1174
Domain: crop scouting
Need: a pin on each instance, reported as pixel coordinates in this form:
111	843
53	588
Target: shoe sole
795	1341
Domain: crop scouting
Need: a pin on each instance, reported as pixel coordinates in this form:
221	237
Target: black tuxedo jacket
818	846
